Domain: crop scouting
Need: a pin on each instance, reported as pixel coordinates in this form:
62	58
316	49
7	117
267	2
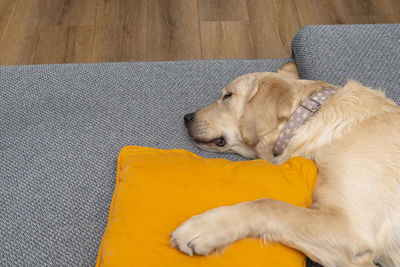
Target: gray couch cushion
335	53
61	129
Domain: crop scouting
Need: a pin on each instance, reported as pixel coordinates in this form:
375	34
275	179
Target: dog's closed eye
227	95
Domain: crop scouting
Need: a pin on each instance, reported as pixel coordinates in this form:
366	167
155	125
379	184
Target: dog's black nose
188	118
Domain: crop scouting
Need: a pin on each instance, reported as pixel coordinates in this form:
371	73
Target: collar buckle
313	106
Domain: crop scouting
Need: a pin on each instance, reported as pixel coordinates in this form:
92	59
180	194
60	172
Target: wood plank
7	8
120	31
370	19
69	12
134	28
315	12
336	10
79	12
273	25
19	39
226	39
222	10
359	7
64	44
388	8
369	8
107	34
173	31
52	45
79	44
360	12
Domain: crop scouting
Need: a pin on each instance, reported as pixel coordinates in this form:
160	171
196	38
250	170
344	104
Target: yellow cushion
157	190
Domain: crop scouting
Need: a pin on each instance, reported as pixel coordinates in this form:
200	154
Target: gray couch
62	126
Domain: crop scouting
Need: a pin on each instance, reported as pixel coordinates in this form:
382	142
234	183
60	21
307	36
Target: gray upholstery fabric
61	129
335	53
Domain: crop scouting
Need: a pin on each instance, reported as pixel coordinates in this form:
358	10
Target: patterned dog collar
303	112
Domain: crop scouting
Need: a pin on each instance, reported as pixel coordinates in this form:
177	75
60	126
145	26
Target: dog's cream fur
355	141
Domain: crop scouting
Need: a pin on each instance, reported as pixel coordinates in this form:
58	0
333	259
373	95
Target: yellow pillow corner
157	190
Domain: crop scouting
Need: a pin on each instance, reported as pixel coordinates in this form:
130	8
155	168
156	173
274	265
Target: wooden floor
65	31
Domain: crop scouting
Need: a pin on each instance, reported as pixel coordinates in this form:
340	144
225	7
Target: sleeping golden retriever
354	138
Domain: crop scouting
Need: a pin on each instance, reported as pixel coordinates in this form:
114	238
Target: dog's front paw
207	232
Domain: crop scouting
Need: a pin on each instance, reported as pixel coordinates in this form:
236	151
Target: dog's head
249	115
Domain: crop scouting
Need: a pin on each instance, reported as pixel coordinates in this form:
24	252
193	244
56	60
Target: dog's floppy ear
280	97
253	90
268	107
289	70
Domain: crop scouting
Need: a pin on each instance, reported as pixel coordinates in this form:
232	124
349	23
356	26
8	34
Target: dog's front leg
322	234
217	228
